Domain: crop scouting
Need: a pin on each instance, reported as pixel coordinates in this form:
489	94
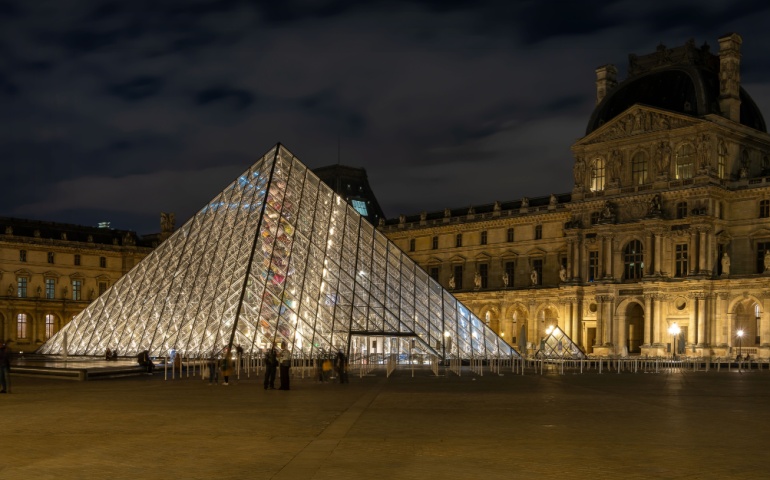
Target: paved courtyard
643	425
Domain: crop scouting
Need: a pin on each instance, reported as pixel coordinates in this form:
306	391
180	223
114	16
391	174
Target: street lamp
740	340
674	330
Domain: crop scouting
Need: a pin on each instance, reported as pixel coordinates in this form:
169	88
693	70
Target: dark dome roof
688	90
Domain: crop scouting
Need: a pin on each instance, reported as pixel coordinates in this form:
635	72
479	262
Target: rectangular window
459	240
411	245
537	266
484	273
77	259
103	262
458	274
681	209
510	235
762	248
50	257
484	237
22	255
764	209
21	326
510	269
538	232
102	287
50	288
434	243
434	273
49	325
593	265
77	289
21	290
681	266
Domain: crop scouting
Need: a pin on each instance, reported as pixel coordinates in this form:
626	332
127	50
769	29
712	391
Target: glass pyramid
276	259
558	345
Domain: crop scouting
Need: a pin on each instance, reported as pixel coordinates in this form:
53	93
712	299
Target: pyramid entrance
277	259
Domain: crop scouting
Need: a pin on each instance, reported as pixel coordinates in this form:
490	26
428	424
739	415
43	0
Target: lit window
21	288
77	289
764	208
721	159
50	288
684	161
21	326
633	260
681	265
597	175
49	326
77	259
484	237
639	168
360	207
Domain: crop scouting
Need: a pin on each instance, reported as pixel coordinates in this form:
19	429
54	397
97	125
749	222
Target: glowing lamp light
675	330
549	330
739	333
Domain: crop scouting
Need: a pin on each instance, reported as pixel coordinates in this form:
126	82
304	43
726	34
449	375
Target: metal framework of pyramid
558	345
276	259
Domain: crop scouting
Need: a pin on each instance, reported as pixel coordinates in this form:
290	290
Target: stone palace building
668	223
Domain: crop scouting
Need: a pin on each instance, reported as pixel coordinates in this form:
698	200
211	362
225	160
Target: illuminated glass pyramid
558	345
276	258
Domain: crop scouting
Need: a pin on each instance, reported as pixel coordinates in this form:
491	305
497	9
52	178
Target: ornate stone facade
663	195
49	272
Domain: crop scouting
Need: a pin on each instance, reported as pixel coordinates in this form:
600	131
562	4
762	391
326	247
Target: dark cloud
446	103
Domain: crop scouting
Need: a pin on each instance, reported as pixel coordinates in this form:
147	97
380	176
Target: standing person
342	366
227	366
285	365
213	368
239	356
271	362
5	369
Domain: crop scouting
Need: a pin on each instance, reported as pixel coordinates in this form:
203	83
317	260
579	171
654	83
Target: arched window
633	260
597	175
685	155
49	325
721	159
21	326
639	168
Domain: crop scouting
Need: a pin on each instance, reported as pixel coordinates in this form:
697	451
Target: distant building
49	272
352	184
668	223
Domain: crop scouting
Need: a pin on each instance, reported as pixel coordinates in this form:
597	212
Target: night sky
120	110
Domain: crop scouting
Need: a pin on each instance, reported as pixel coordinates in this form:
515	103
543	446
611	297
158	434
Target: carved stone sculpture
725	264
505	279
452	282
477	280
533	276
563	274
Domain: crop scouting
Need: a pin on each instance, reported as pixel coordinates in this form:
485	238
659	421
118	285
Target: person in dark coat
5	369
341	362
144	360
285	366
271	363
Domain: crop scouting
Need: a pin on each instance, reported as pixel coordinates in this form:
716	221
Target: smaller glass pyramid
557	345
277	259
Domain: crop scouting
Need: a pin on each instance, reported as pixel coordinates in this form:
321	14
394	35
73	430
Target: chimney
730	76
606	79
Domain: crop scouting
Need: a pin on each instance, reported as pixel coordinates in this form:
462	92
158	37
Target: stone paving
667	425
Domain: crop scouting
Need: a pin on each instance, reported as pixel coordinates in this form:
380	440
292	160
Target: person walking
341	362
5	369
285	365
227	366
271	363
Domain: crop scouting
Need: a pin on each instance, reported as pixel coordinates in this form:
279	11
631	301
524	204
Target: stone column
599	320
692	323
722	328
647	318
608	320
576	314
700	302
658	252
657	319
607	247
692	252
576	259
764	322
702	251
710	252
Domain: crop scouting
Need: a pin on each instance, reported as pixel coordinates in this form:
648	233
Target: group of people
111	354
339	363
223	364
272	363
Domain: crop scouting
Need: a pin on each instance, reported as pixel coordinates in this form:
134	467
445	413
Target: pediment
23	272
50	274
760	233
536	252
509	254
637	120
434	261
457	259
483	257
